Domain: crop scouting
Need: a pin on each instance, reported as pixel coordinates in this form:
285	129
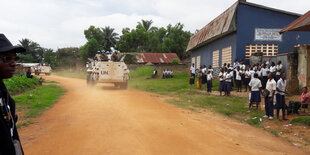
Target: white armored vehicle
42	68
101	70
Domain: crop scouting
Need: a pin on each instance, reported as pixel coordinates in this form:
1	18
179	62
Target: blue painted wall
250	17
206	51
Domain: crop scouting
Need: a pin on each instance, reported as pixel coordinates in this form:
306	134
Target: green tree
176	40
89	50
109	38
50	57
66	57
146	24
34	53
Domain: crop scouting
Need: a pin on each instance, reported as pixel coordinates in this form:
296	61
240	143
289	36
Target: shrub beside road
31	97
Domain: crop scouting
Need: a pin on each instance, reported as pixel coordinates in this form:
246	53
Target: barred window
266	49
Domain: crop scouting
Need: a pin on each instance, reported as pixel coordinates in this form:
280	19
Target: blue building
243	29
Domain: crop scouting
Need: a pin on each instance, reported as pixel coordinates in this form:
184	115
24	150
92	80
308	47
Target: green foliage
146	38
34	52
50	58
175	61
303	120
18	84
105	37
66	57
38	100
90	49
130	58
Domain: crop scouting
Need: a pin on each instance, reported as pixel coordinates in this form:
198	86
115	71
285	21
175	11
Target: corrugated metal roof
300	24
156	58
221	25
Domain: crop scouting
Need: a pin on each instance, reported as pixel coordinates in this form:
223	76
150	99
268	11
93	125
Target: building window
215	58
193	60
226	55
198	62
266	49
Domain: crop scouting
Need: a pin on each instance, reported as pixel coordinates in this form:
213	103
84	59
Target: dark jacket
6	144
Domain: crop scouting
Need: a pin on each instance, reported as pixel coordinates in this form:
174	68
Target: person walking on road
9	138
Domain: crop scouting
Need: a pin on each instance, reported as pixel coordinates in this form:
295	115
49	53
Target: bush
175	61
130	58
18	84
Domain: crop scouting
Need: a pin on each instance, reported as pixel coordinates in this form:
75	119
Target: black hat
6	46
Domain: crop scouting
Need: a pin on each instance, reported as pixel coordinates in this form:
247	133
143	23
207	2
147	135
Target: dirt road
103	120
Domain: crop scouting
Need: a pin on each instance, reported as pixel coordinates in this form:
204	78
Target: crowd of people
266	79
167	74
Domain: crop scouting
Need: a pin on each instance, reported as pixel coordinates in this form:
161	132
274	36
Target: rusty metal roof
221	25
300	24
156	58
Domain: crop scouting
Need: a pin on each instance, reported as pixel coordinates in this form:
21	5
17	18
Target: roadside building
243	29
156	58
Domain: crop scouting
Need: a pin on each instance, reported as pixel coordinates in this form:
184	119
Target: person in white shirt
247	78
228	84
238	79
252	72
255	87
193	72
204	74
278	70
280	96
272	68
264	70
271	87
222	81
209	82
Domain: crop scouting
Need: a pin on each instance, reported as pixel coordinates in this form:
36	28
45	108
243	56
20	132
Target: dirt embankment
104	120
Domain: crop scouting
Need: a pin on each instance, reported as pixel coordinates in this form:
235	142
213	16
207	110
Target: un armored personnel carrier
102	70
42	68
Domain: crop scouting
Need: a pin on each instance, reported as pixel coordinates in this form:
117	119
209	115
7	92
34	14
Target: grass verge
19	84
34	102
304	120
190	97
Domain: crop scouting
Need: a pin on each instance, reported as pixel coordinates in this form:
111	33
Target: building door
227	55
215	58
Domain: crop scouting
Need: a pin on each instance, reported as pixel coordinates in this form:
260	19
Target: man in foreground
9	139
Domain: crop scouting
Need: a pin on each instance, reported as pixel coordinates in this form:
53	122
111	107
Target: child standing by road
222	81
209	81
255	88
238	78
247	78
228	84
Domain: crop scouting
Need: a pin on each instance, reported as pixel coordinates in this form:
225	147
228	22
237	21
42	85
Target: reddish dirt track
104	120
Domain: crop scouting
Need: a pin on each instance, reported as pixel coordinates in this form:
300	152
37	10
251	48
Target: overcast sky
60	23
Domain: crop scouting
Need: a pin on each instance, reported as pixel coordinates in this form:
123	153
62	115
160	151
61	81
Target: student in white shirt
228	80
280	96
252	72
222	81
278	70
238	79
204	74
209	82
264	71
272	68
255	87
247	78
192	77
271	86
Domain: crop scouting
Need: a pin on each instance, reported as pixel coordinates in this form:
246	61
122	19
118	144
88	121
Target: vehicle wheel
124	85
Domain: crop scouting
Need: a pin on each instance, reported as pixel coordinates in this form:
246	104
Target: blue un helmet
98	52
